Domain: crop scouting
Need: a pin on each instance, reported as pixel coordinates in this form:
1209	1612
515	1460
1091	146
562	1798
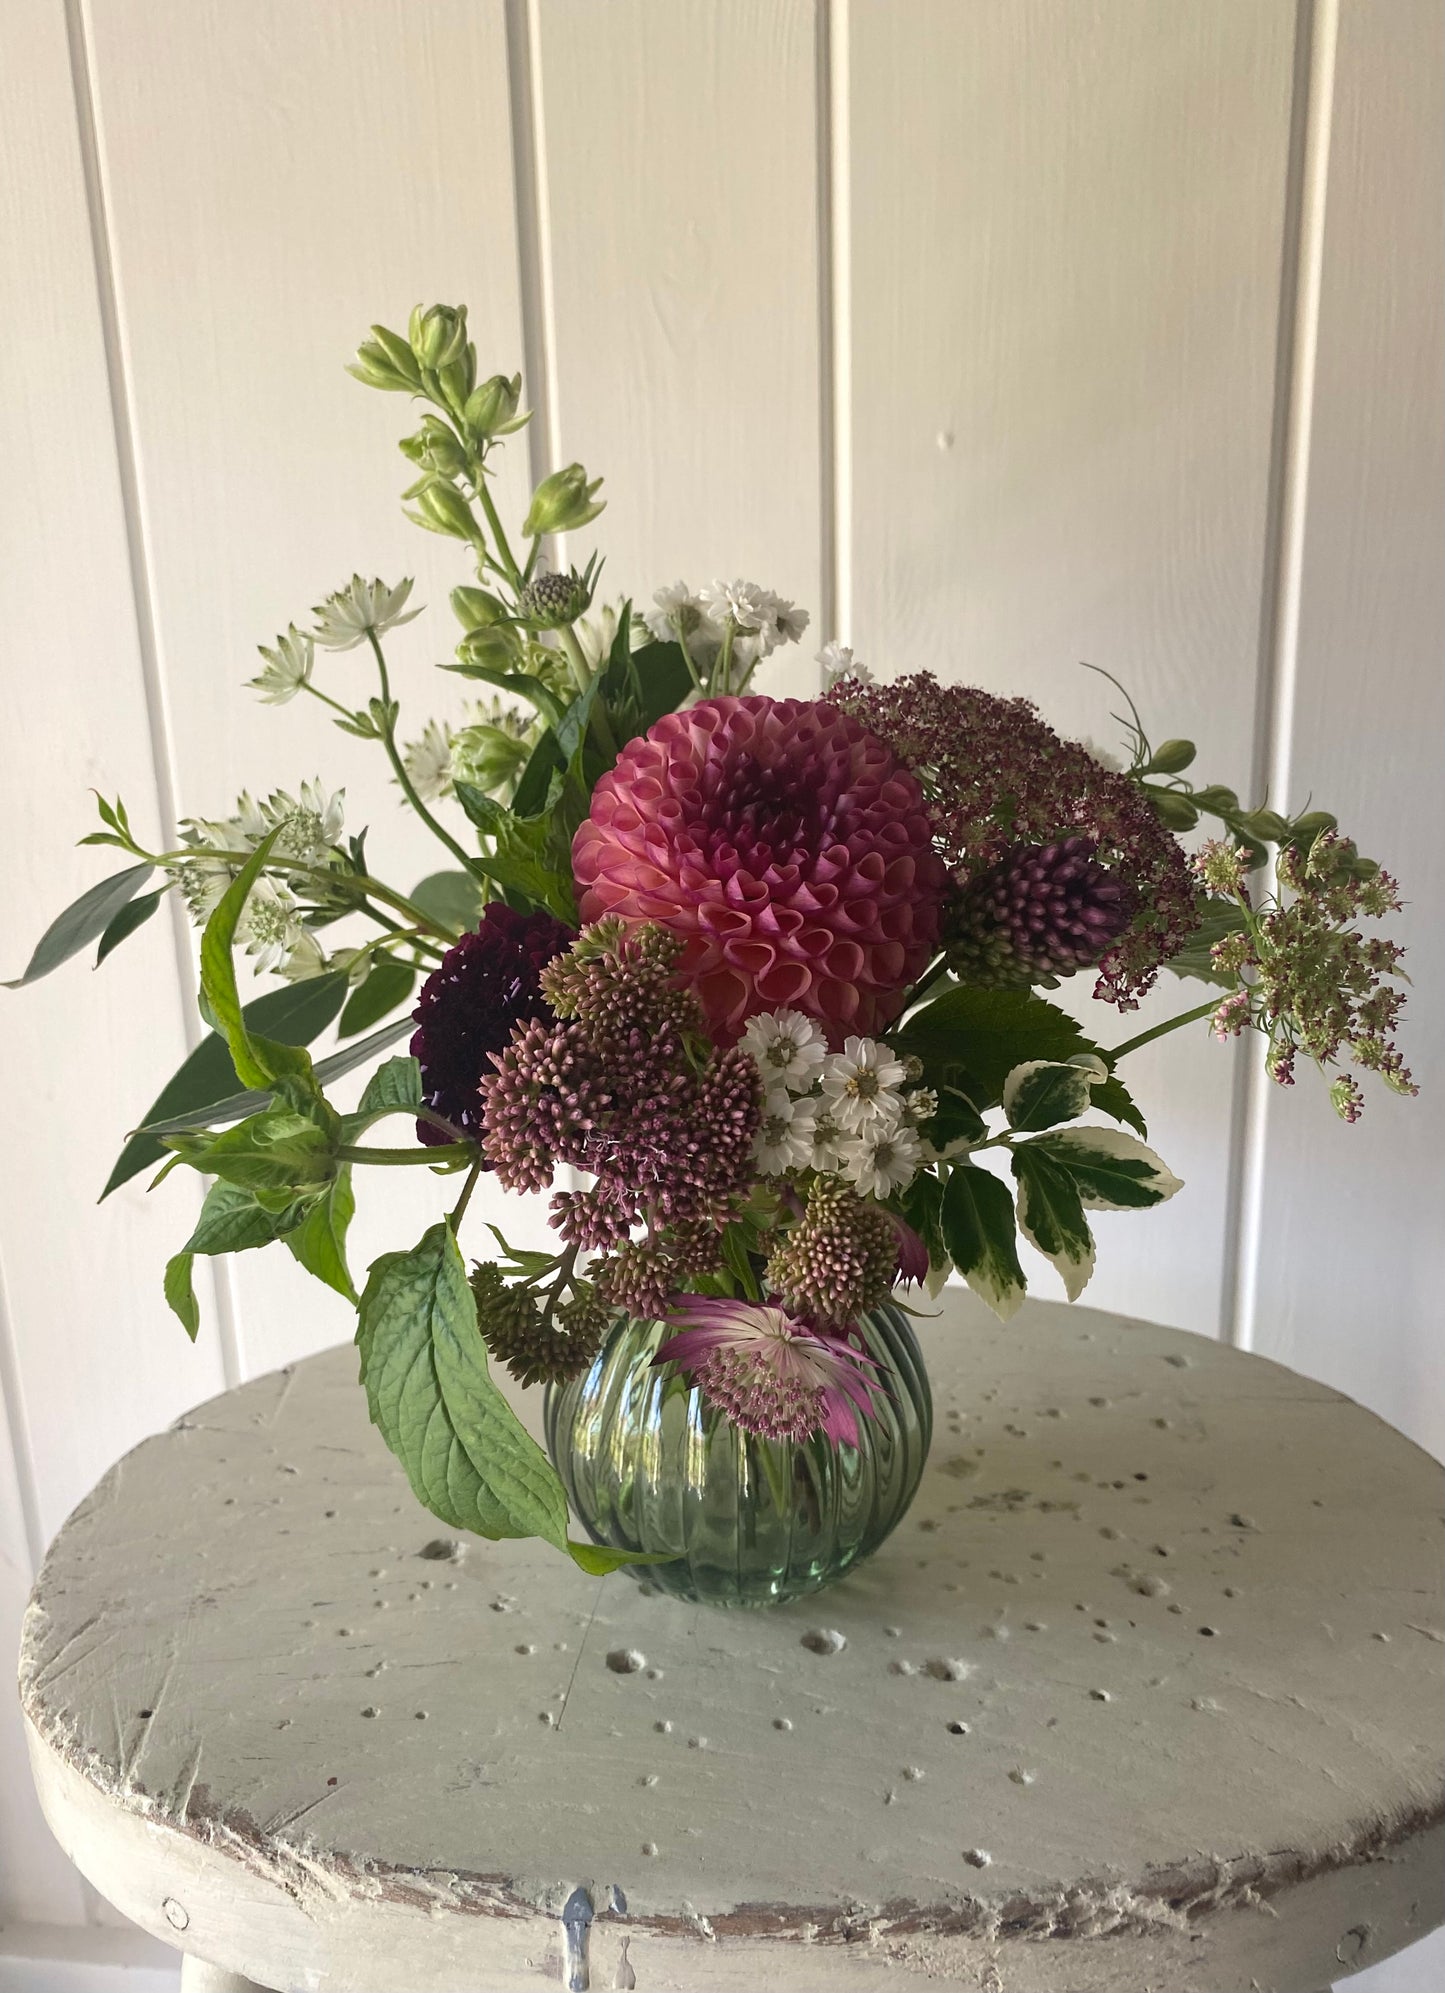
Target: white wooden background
1002	333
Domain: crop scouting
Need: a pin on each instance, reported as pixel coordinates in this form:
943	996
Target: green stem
692	669
327	700
1159	1030
466	1197
399	766
484	499
445	1152
581	670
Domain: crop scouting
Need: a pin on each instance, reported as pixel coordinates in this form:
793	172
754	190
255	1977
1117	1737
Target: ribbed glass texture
648	1464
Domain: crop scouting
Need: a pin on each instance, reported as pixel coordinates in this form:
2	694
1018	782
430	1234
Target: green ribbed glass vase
648	1464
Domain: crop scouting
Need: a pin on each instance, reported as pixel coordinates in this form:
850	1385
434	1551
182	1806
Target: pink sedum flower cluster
785	846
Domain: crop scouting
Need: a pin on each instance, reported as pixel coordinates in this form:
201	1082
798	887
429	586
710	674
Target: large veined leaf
1051	1217
389	983
1110	1170
83	920
196	1093
977	1220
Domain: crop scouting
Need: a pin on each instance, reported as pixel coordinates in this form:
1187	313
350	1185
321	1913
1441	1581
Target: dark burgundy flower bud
484	986
1042	912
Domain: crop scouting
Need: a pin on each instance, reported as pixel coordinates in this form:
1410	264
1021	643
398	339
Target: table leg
198	1977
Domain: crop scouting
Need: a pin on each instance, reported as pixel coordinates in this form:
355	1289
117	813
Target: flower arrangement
750	985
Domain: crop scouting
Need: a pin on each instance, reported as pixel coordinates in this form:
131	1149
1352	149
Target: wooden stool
1144	1693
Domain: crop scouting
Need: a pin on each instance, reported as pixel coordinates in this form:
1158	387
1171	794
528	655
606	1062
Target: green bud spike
446	511
562	502
1172	758
477	608
399	353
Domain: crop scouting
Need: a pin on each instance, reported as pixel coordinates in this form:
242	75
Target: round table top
1148	1682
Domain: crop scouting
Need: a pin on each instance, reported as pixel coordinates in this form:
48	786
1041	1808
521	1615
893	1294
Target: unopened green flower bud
562	502
1217	799
1266	825
441	508
1304	830
488	757
1172	757
552	600
376	366
491	409
496	648
1175	809
438	335
435	448
478	608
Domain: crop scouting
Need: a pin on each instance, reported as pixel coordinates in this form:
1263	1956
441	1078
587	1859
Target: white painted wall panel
1352	1264
1062	278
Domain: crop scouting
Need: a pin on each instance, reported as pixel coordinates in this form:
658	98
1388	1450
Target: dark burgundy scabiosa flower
996	777
784	846
1043	911
484	986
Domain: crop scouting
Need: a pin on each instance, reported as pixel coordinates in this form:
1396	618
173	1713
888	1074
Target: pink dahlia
786	847
771	1375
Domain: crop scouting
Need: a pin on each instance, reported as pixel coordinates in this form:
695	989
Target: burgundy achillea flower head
625	1084
1044	910
785	847
772	1375
996	776
481	989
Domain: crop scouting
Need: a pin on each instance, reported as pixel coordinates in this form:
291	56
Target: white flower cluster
844	1113
271	926
699	619
838	662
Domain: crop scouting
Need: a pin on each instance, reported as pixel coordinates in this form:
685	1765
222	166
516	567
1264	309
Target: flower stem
1159	1030
399	766
466	1197
446	1152
484	499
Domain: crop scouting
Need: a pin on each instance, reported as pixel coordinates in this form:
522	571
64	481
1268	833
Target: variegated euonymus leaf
1051	1217
1043	1092
977	1221
467	1455
1110	1170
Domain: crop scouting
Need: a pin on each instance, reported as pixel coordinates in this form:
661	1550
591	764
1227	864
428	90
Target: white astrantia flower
428	762
597	633
784	1140
362	608
860	1086
288	667
787	1048
838	662
881	1160
308	828
270	926
307	958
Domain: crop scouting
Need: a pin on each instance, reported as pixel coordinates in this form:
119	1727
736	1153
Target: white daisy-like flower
919	1106
428	762
839	662
680	608
882	1160
784	1140
361	609
744	602
826	1154
789	621
860	1086
288	667
787	1048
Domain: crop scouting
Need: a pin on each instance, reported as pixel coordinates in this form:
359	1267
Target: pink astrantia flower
772	1375
785	846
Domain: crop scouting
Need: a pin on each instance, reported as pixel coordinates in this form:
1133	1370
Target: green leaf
1113	1098
389	983
1051	1217
231	1221
956	1123
597	1559
277	1149
977	1218
453	898
256	1059
319	1242
517	864
1110	1170
520	684
235	1105
984	1034
394	1088
130	917
180	1294
921	1204
81	922
423	1363
295	1015
1041	1093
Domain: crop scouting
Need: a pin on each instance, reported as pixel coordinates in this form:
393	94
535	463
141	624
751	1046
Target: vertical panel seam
138	560
534	232
1316	35
836	252
21	1452
827	412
